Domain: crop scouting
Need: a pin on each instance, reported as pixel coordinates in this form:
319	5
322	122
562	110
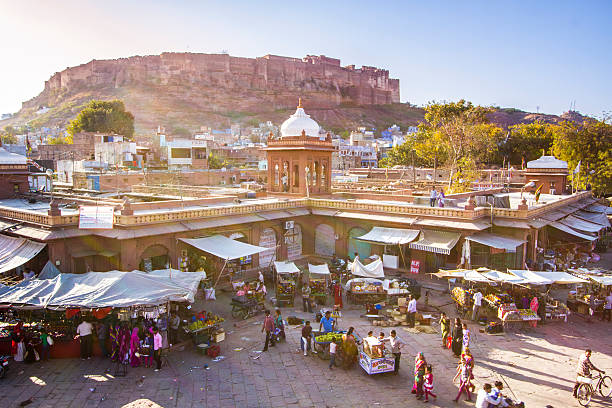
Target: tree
105	117
527	141
589	143
214	162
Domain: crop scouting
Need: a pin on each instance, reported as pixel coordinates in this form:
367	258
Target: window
180	153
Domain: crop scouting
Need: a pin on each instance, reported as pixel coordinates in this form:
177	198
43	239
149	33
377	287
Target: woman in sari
15	338
134	348
534	307
124	345
349	348
337	295
419	375
457	337
114	337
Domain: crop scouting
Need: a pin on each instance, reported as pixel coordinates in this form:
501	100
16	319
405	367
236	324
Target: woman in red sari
337	295
15	337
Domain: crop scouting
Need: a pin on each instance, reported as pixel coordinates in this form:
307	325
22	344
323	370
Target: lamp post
49	173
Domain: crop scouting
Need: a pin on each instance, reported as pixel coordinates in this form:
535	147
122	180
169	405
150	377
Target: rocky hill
187	91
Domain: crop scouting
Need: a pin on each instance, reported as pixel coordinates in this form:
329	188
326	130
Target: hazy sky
523	54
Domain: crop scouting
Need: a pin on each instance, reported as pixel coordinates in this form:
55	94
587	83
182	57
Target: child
332	354
428	385
464	384
146	349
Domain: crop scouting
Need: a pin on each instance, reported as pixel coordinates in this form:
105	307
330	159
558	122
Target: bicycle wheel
605	386
584	394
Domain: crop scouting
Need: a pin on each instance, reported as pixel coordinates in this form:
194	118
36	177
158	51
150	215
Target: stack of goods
508	312
462	296
317	286
373	347
497	300
285	287
204	320
528	314
366	287
398	287
329	338
494	328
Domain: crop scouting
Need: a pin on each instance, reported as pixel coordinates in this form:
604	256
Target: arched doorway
293	239
362	248
325	240
267	239
154	257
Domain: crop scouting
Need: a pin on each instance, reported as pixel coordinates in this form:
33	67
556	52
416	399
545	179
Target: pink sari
534	306
134	347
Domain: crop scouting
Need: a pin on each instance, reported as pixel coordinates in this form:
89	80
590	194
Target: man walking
412	309
157	348
396	348
268	326
607	307
84	331
444	328
477	303
432	197
102	332
306	298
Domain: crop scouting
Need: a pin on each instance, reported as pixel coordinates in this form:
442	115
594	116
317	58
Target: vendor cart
318	277
374	358
463	301
287	276
244	307
365	291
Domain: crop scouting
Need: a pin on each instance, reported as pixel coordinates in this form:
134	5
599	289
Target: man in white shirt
485	398
396	348
477	303
412	309
84	331
607	307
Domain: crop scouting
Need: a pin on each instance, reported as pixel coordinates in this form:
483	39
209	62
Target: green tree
589	143
527	141
214	162
105	117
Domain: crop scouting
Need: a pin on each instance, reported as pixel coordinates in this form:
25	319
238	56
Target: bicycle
586	390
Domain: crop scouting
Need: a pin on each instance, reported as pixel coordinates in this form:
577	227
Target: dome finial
300	103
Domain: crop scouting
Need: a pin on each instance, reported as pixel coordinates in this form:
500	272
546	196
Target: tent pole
220	273
402	254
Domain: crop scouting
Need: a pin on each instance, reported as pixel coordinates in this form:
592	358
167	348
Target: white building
117	154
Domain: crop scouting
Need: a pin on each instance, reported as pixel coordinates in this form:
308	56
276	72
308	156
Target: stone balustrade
43	219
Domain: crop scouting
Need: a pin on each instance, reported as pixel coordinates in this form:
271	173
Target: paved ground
537	367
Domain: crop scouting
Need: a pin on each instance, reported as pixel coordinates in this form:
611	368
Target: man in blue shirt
327	323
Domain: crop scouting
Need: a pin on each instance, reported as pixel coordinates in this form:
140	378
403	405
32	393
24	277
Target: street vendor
327	323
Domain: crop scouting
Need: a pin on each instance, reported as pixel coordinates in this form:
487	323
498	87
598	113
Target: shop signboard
96	217
415	265
376	365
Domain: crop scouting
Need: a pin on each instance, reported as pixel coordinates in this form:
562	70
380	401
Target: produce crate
219	336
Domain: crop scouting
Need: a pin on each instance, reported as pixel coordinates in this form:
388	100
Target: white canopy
48	271
561	277
389	236
452	274
322	269
571	231
105	289
474	276
603	280
372	270
530	277
503	277
15	252
439	242
223	247
286	267
496	241
580	224
597	218
600	209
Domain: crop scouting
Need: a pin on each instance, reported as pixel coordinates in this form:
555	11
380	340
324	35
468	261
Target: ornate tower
299	161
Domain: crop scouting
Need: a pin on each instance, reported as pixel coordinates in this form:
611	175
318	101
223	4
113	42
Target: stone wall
363	86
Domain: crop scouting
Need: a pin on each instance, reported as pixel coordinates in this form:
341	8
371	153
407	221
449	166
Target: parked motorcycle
4	365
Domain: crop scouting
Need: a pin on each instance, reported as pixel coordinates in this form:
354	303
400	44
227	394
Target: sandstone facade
270	73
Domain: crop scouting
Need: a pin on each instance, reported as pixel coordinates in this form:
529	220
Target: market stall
318	276
58	304
287	276
365	290
392	240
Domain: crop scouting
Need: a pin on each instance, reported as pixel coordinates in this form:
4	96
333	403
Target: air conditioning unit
288	225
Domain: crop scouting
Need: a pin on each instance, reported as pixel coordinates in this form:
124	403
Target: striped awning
15	252
439	242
